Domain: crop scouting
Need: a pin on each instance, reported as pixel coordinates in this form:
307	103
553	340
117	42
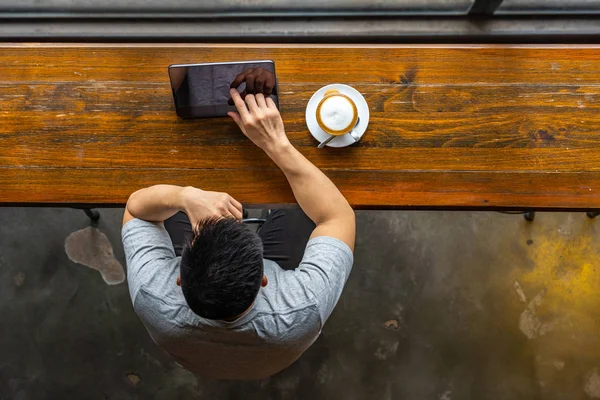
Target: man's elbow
132	201
344	215
349	211
128	215
129	204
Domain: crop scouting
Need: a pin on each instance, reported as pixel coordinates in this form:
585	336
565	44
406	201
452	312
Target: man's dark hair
222	268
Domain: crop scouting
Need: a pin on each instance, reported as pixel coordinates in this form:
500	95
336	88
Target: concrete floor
440	305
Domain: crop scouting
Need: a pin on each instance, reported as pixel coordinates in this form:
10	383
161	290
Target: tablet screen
202	90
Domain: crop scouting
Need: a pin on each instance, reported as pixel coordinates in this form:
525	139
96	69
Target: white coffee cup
337	115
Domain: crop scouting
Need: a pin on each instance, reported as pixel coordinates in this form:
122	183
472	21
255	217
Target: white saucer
362	108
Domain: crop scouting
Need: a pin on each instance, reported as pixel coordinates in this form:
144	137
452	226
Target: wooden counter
471	126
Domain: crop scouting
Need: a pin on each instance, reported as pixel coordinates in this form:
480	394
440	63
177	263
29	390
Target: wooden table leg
529	215
94	215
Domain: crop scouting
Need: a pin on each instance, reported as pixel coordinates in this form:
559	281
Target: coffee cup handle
355	136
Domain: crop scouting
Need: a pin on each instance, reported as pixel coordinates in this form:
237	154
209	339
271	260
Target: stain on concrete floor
90	247
440	306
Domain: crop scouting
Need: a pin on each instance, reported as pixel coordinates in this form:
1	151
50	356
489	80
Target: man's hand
200	204
160	202
260	121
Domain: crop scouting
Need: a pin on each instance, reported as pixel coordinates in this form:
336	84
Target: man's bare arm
320	199
160	202
317	195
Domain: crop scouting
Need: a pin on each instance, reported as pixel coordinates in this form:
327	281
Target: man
229	308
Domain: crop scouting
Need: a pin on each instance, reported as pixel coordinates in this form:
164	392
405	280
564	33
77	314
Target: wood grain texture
467	127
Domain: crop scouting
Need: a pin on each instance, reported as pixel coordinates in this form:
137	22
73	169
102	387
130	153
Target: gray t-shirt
286	318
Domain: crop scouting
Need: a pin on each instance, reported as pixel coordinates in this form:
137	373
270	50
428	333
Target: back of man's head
222	269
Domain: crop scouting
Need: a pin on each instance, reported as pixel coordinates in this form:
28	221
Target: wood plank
364	189
485	120
301	64
528	136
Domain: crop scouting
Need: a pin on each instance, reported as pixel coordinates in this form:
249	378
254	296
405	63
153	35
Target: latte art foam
337	113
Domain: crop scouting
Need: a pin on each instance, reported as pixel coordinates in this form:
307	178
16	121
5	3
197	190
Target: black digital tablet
202	90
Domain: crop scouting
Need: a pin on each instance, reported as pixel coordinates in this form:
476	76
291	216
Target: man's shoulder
151	260
163	312
277	324
284	299
319	279
160	287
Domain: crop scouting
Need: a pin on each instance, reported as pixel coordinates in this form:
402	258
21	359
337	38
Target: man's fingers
235	212
240	105
237	204
240	78
260	100
271	103
226	215
242	95
251	101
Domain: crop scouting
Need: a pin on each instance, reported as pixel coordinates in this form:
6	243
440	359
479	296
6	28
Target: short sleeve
324	270
148	251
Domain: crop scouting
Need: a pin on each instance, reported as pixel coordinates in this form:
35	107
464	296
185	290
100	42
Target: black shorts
284	235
